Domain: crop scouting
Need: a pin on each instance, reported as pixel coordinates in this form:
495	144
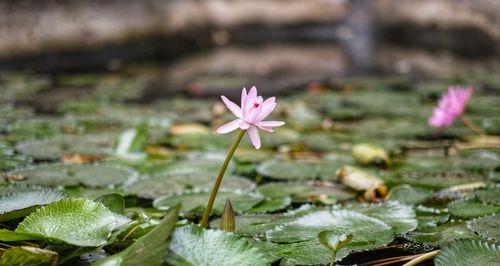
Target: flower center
255	105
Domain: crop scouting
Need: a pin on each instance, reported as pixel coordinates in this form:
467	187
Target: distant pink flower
250	115
451	106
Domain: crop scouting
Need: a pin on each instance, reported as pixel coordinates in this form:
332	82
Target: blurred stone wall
32	28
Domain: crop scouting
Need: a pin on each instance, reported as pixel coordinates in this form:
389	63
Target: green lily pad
489	195
430	217
307	191
196	246
168	183
298	170
437	180
152	247
368	232
471	208
469	252
441	234
400	217
20	204
411	195
54	148
271	205
196	201
486	227
78	222
26	255
91	175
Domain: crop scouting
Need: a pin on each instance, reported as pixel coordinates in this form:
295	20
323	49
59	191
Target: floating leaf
468	252
368	232
407	194
78	222
163	184
486	227
307	192
114	202
400	217
300	253
22	203
213	247
430	217
271	205
152	247
289	170
441	234
25	255
489	195
91	175
60	145
471	208
196	201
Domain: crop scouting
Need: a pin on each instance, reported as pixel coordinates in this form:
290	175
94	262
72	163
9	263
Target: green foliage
196	201
471	208
26	255
152	247
487	227
19	204
197	246
469	252
78	222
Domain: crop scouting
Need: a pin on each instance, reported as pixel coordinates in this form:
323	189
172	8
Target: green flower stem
213	194
333	258
471	125
424	257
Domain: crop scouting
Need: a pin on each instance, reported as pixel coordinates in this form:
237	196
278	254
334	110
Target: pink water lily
450	107
250	115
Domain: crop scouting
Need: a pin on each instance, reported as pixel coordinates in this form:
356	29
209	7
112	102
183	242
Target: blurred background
205	48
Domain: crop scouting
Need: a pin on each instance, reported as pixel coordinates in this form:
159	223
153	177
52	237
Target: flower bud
227	222
369	154
359	180
334	241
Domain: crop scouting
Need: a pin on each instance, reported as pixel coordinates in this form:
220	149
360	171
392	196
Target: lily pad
78	222
196	201
469	252
441	234
169	183
54	148
486	227
271	205
368	232
489	195
407	194
471	208
196	246
307	191
91	175
26	255
399	216
20	204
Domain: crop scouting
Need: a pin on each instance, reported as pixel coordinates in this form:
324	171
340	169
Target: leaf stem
332	263
424	257
211	200
471	125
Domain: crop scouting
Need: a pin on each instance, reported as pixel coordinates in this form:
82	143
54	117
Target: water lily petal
244	125
271	123
253	134
235	109
235	124
267	108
